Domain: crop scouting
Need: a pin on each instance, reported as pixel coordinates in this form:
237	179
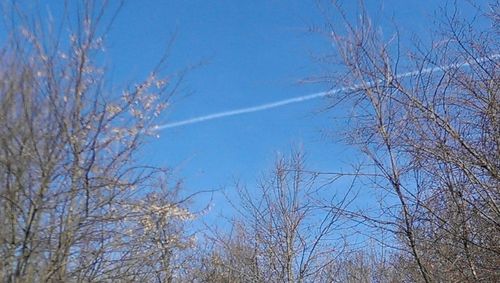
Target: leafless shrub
432	137
286	231
74	203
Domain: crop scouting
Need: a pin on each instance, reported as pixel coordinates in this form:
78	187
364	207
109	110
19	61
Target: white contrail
246	110
284	102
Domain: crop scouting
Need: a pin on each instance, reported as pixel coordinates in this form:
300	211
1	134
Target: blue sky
253	52
256	52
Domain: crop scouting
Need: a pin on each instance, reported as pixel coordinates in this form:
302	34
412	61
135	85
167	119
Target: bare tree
74	203
432	138
283	233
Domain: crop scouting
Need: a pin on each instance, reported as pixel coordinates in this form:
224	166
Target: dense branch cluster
434	139
74	205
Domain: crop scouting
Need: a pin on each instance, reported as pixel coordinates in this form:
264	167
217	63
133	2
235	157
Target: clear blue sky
255	53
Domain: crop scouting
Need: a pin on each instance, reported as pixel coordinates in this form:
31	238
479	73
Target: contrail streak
298	99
